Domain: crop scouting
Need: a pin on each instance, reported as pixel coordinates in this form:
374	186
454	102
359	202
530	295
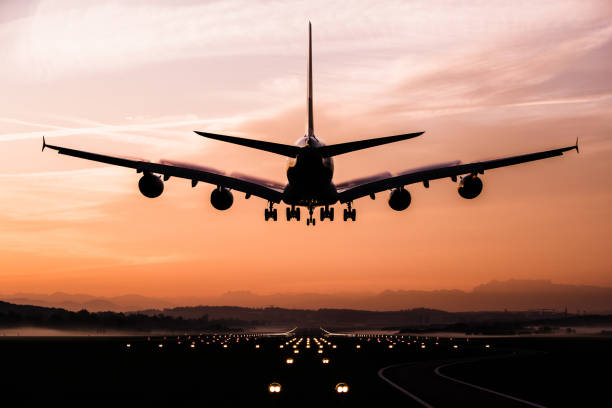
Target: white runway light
274	388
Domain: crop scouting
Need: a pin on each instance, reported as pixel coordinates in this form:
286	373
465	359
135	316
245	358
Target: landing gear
293	213
350	213
271	212
327	212
310	220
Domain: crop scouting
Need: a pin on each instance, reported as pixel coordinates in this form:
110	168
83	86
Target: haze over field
483	80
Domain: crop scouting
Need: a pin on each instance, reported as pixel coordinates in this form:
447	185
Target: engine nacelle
151	185
470	187
399	199
221	199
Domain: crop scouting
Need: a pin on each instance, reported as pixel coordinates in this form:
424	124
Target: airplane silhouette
309	172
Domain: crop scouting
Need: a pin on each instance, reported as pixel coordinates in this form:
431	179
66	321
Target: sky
482	79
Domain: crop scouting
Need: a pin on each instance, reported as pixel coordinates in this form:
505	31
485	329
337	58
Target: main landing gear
293	213
271	212
350	213
327	212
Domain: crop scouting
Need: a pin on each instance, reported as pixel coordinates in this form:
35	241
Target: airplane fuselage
309	176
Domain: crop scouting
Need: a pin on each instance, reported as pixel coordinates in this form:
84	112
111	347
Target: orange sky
482	80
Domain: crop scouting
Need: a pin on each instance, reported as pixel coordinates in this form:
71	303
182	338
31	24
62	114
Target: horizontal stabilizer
278	148
341	148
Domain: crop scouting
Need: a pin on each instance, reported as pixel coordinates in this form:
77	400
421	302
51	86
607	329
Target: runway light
257	346
274	388
160	345
342	388
225	346
192	346
281	346
455	346
358	346
320	351
289	361
128	345
390	346
296	351
487	346
325	361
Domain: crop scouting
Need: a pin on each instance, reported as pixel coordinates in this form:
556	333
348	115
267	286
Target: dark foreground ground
237	370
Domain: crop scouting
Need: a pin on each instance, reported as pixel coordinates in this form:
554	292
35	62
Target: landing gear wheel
349	213
289	214
297	214
323	214
331	214
310	220
271	212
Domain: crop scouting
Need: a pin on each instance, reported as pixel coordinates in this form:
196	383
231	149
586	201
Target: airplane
310	172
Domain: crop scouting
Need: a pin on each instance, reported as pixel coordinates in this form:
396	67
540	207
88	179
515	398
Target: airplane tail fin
310	125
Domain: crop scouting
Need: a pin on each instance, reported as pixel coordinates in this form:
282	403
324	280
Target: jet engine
221	199
470	186
399	199
151	185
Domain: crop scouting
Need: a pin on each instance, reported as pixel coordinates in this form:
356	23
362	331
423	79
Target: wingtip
577	147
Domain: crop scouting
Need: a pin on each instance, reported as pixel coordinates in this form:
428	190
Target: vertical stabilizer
310	128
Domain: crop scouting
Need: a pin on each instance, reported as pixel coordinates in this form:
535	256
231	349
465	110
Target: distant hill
15	316
75	302
493	296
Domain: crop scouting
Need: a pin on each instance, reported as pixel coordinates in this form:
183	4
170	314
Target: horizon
483	80
510	295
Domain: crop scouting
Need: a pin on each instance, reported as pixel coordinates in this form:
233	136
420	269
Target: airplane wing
452	170
269	191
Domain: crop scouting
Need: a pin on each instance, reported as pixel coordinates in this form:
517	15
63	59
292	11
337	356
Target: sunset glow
485	80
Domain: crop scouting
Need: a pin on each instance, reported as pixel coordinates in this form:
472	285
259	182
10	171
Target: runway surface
307	368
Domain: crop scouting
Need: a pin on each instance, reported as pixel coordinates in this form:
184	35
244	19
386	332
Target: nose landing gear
310	220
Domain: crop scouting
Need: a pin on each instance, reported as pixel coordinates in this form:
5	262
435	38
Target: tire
323	215
297	214
289	215
331	214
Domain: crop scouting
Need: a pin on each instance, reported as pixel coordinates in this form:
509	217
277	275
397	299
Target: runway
306	368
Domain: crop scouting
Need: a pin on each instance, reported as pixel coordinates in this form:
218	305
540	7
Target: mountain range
492	296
